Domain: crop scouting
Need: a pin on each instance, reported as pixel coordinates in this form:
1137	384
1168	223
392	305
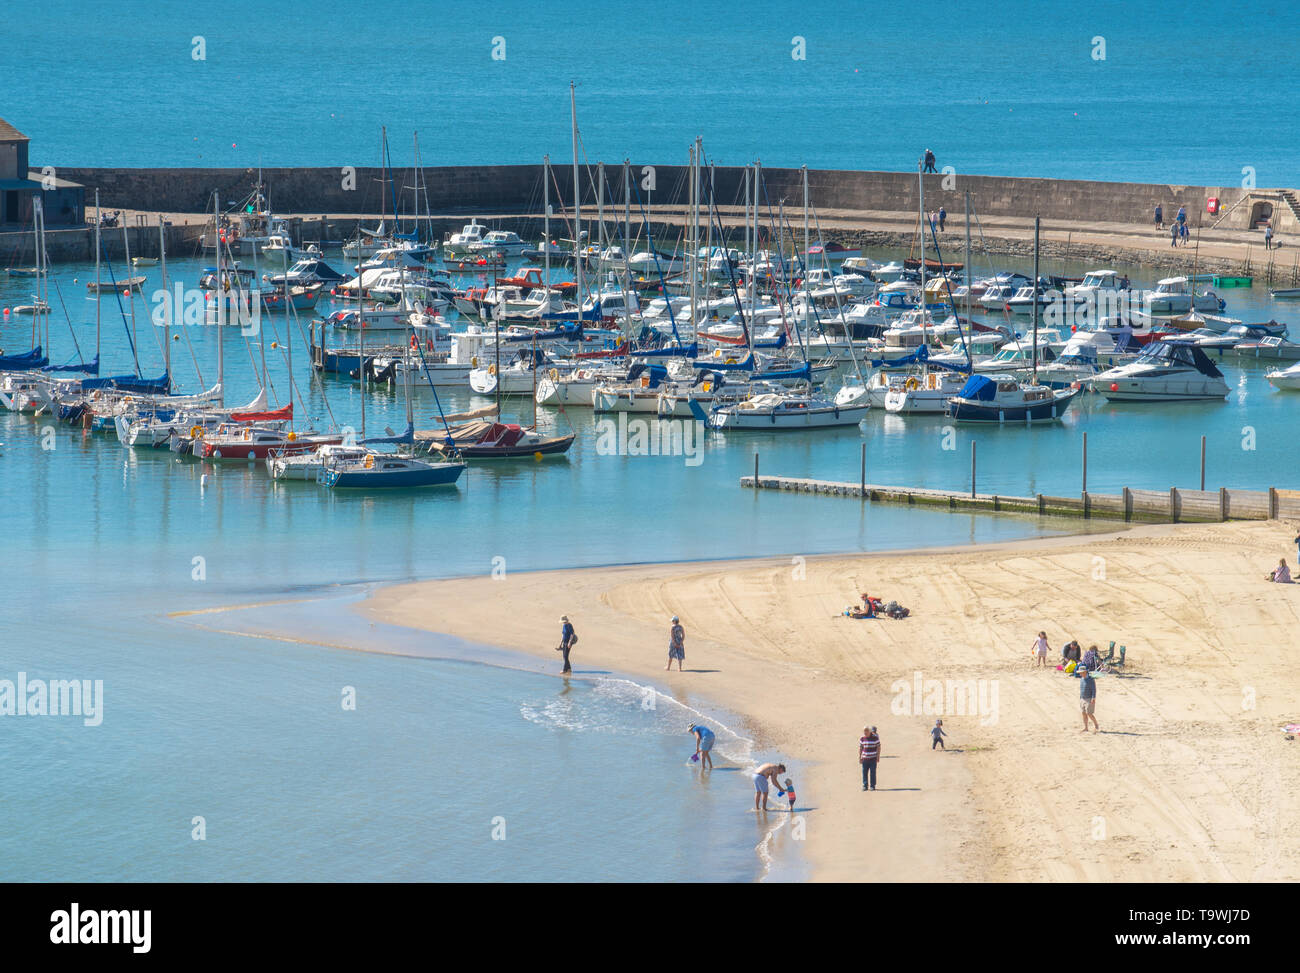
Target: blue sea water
204	719
1190	95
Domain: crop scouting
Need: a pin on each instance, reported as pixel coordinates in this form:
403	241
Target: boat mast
288	329
803	264
970	360
98	300
1037	222
546	226
168	310
920	181
383	186
130	296
577	211
695	234
753	259
220	299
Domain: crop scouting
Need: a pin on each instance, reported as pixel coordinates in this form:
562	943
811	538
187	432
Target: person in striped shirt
868	755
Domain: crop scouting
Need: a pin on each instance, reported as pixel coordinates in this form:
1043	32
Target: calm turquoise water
1190	96
249	733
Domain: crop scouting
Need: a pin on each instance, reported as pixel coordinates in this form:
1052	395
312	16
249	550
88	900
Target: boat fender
415	345
492	369
473	362
292	436
370	461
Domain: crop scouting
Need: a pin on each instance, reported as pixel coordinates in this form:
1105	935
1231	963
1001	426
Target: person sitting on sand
1280	574
1091	659
762	776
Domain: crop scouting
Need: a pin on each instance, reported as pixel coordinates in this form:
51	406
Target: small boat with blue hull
992	398
388	471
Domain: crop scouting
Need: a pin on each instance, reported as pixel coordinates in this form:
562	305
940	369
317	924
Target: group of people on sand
1077	663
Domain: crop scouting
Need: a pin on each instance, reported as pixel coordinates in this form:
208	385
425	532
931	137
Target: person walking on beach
1183	232
1160	217
868	756
676	645
1182	214
1173	234
1268	238
1039	648
568	639
943	218
764	777
703	744
937	735
1088	700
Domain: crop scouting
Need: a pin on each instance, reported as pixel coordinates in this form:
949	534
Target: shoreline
1020	797
340	610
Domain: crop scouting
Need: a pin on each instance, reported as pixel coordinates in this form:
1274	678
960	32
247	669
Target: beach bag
1071	666
573	641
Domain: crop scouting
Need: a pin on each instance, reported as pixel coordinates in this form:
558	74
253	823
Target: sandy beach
1190	778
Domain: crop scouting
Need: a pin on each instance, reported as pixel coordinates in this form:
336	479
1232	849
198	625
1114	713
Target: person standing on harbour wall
929	161
1173	234
868	756
1160	217
1268	237
943	218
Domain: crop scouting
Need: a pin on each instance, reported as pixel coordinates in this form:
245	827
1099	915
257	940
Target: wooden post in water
972	469
1202	463
862	490
755	470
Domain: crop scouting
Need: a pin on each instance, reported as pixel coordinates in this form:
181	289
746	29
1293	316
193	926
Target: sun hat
674	618
564	618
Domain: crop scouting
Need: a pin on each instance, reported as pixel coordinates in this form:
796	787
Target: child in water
789	792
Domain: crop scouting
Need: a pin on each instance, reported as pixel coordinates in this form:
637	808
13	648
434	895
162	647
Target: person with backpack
568	639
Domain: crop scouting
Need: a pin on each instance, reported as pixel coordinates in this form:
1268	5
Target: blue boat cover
564	331
130	383
979	388
676	351
804	371
772	342
713	365
27	361
406	437
90	369
915	358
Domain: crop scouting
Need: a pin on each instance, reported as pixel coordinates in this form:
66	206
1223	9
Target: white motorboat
1175	295
1286	379
308	466
926	393
499	241
1165	371
458	244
